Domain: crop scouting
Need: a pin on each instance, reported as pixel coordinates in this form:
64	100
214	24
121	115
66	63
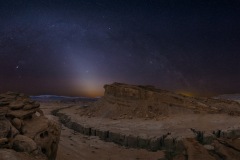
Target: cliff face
121	90
160	119
24	128
143	93
127	101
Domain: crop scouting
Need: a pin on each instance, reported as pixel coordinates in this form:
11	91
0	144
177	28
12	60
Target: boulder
9	154
22	114
3	141
31	106
16	122
3	112
5	128
49	138
16	105
28	107
45	132
13	132
209	147
23	143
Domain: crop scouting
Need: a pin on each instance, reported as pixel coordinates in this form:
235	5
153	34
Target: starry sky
74	47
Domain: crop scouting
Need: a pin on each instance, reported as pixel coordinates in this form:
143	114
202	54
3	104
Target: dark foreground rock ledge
25	133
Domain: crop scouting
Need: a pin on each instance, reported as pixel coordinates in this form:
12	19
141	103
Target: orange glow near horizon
187	93
88	87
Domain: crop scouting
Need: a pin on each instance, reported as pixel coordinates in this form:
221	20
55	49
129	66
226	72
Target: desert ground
141	122
76	146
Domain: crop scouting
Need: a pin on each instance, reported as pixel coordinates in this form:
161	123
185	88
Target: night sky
74	47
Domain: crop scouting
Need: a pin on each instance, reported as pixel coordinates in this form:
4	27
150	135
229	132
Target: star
112	41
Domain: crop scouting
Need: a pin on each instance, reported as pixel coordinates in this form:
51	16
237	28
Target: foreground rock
25	133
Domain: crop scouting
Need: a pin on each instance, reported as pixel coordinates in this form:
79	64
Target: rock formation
129	101
25	133
145	117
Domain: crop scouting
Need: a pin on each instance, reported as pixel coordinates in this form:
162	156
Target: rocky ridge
195	145
131	101
123	102
25	133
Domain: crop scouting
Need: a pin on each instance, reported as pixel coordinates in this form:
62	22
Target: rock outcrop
129	101
144	117
25	133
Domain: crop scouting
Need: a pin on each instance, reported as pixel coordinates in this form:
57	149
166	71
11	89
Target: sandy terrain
136	117
76	146
177	125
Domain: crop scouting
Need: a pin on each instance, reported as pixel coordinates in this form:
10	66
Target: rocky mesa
25	133
144	117
128	101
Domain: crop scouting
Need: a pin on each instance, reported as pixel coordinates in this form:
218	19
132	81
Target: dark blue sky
74	47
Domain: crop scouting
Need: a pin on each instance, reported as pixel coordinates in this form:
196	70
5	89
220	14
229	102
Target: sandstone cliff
129	101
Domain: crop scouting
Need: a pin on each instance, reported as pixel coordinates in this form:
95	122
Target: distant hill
233	97
64	99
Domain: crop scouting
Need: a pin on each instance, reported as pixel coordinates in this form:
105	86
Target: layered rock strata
206	137
192	143
25	133
131	101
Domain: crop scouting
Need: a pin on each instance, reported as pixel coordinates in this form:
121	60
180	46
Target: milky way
74	47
